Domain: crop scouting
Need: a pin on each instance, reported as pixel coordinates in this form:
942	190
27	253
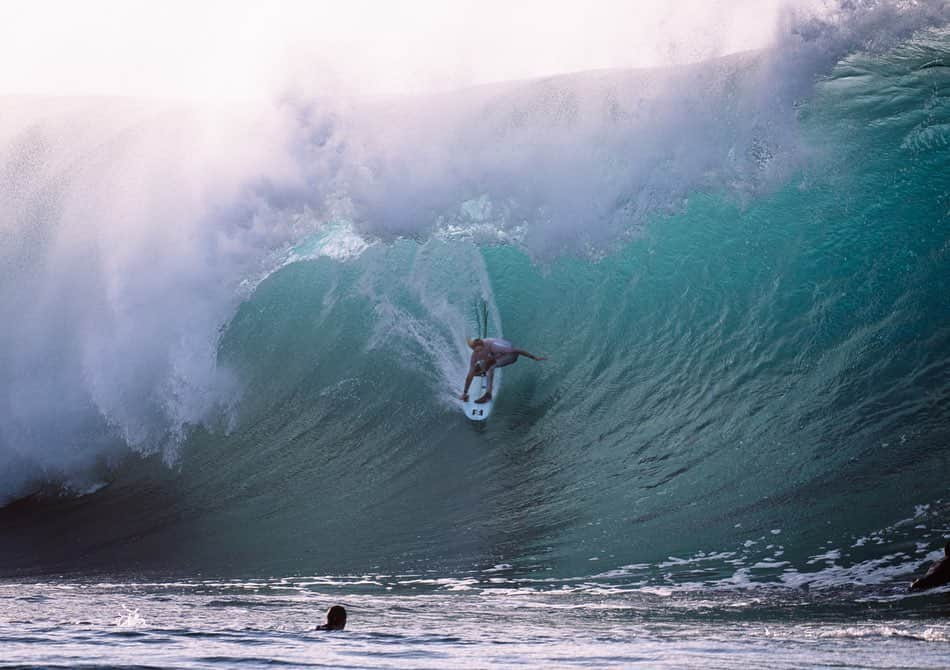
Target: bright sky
245	48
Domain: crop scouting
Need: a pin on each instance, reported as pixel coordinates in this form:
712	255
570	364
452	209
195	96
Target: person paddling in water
489	353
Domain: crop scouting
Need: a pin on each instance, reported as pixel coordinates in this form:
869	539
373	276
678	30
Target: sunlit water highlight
411	621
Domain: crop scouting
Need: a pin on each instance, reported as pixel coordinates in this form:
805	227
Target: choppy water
238	361
425	622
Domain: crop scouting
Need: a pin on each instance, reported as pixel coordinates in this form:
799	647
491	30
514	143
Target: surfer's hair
474	343
336	618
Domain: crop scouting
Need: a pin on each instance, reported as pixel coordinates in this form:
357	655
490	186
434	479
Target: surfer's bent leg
505	359
500	362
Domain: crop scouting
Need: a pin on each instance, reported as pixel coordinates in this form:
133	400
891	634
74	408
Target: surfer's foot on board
485	398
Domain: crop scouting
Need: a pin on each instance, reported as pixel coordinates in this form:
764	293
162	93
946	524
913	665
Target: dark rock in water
937	575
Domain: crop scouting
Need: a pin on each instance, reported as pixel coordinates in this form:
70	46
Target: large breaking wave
232	337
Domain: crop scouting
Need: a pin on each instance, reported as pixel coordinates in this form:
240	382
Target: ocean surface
233	338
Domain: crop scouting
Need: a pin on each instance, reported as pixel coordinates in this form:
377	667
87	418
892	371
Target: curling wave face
741	281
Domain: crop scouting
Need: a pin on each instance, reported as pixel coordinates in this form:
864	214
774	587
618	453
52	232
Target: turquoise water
734	454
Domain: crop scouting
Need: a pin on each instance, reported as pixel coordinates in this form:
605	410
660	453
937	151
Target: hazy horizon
253	50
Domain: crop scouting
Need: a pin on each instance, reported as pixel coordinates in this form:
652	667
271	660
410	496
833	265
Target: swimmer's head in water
336	618
474	344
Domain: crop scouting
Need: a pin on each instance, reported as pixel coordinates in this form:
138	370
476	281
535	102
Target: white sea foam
130	619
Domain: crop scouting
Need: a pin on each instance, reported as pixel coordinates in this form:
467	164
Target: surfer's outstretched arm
522	352
468	382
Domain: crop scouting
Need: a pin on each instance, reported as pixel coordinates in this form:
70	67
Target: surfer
487	354
937	575
336	619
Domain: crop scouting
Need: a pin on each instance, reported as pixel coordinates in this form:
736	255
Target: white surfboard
479	411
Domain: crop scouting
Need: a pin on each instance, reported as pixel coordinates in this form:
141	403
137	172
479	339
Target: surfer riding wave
489	353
